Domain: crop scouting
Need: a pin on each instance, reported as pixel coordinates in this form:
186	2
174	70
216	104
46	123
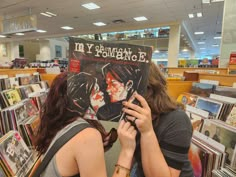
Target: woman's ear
129	85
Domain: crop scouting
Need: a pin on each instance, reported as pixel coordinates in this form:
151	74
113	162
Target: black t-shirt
174	133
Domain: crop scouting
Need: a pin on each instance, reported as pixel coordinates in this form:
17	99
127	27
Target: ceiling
158	12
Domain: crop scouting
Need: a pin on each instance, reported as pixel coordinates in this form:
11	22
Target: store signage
19	24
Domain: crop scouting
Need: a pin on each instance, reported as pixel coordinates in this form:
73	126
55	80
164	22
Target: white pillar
173	46
14	50
228	41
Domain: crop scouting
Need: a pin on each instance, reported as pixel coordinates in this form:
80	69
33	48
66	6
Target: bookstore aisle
21	98
212	110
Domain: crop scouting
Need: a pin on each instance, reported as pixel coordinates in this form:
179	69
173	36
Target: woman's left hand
140	115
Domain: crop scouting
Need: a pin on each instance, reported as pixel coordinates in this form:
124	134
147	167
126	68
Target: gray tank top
52	170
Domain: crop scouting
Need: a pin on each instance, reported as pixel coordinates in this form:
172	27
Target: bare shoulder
87	137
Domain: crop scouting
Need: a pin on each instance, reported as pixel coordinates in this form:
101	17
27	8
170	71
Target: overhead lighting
142	18
200	32
202	48
206	1
41	31
45	14
20	34
156	51
50	13
219	37
191	15
185	50
2	36
215	45
217	0
201	42
67	27
91	6
199	14
99	24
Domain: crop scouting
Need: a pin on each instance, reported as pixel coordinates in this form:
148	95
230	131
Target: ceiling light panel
190	15
41	31
199	14
67	28
142	18
45	14
99	24
218	37
2	36
91	6
198	33
50	13
201	42
20	34
206	1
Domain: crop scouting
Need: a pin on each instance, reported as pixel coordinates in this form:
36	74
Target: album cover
102	75
12	96
16	155
202	89
211	106
225	91
231	119
222	134
187	99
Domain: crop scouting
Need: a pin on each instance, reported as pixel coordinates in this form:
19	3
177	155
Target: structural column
173	46
228	41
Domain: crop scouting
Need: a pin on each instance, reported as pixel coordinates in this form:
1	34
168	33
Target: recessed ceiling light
142	18
2	36
215	45
219	37
52	14
45	14
99	24
199	14
200	32
156	51
67	27
91	6
201	42
41	31
20	34
202	48
191	15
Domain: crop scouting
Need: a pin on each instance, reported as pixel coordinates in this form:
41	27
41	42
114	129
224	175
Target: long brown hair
157	97
54	114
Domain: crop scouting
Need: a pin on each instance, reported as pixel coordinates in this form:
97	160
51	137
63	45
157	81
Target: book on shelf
111	67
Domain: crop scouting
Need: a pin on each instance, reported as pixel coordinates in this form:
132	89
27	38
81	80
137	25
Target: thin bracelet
122	168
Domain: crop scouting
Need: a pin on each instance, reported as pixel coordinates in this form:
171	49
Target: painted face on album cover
97	98
115	89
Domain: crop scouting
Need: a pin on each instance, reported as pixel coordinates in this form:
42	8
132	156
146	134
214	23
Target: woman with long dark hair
83	155
164	132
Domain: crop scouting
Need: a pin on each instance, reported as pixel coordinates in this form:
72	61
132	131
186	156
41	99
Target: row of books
20	79
12	96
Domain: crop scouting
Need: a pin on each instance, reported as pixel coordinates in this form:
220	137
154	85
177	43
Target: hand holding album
139	114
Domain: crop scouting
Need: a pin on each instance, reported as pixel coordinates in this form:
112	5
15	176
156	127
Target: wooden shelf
13	72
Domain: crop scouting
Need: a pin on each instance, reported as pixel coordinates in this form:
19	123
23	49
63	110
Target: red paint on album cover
74	66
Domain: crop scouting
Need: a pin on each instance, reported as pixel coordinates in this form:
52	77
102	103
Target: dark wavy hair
54	115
